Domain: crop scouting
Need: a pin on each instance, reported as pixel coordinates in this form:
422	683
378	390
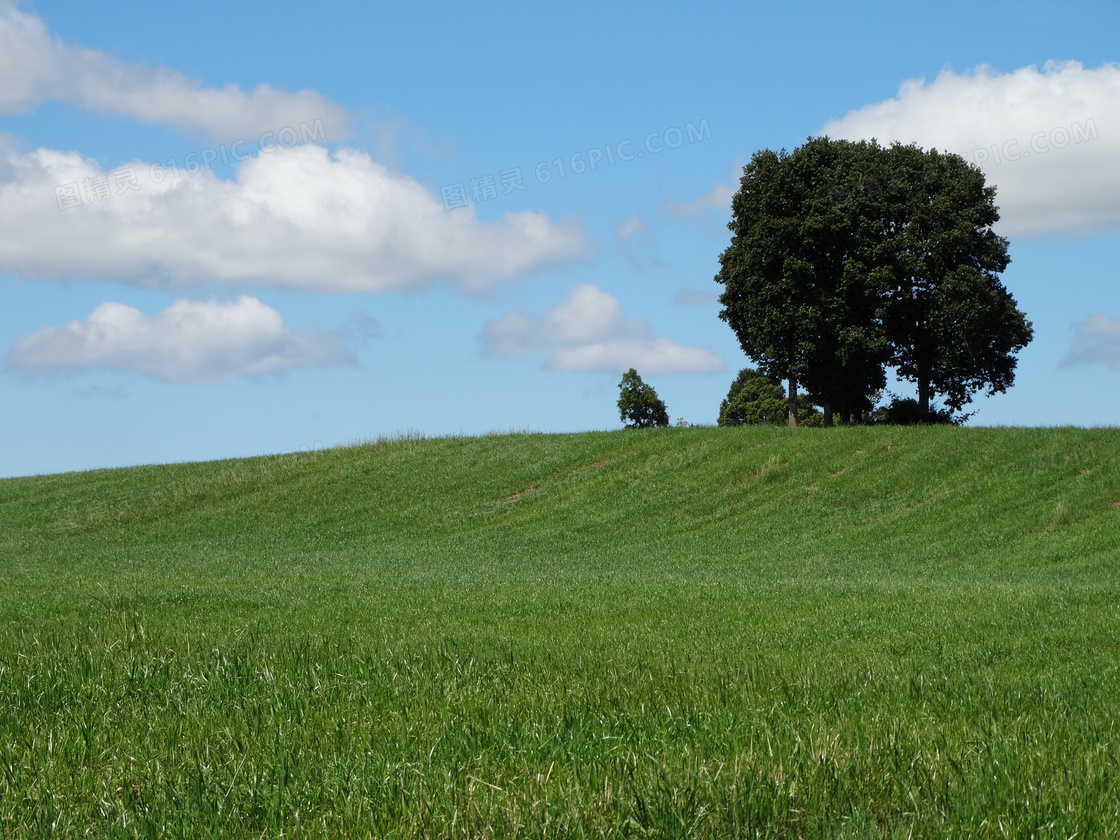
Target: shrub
907	412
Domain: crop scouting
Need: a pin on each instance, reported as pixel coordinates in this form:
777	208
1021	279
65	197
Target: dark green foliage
847	258
838	234
755	399
809	415
953	327
908	412
638	404
800	293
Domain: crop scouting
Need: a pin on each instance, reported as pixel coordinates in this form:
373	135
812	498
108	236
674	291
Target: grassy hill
862	632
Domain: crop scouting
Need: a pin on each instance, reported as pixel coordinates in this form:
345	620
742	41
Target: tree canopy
755	399
847	258
638	404
953	327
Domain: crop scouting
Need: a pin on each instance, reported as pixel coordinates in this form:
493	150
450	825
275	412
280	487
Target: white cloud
588	333
1097	340
717	198
630	228
695	297
187	342
1049	140
300	218
636	241
36	66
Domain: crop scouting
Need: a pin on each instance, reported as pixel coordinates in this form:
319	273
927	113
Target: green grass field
860	632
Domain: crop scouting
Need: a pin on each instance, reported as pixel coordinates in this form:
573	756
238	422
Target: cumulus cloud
188	342
1049	140
300	218
717	198
588	333
1097	339
36	66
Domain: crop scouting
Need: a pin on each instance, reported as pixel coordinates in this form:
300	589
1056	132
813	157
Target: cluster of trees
756	399
849	258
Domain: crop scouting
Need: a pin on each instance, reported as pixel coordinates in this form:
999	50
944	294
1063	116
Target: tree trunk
923	393
923	369
792	401
827	409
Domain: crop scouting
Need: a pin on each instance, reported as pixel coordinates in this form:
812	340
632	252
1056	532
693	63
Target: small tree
755	399
638	404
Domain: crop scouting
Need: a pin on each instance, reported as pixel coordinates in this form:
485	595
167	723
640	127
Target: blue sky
234	230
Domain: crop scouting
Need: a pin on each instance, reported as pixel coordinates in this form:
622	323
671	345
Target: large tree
763	301
798	292
839	235
953	327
